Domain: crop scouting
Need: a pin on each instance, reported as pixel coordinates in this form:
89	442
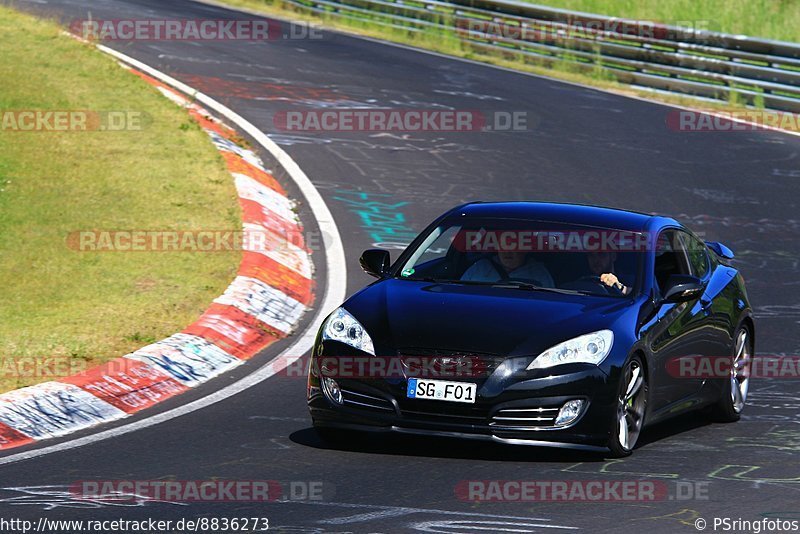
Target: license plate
441	390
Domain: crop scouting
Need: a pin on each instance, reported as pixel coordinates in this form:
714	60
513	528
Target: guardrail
648	55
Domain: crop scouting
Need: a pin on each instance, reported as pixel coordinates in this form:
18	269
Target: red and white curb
265	302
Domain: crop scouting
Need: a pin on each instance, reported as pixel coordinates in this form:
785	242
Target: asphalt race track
584	146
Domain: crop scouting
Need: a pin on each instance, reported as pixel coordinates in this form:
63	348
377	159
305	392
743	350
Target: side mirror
720	250
375	262
682	288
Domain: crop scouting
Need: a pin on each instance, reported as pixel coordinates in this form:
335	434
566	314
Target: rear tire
631	408
728	408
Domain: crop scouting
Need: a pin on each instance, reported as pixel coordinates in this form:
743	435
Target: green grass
54	301
771	19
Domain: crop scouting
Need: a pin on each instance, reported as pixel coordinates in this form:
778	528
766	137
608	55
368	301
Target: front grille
448	364
355	399
525	418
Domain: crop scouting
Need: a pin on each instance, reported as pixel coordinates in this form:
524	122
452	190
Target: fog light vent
332	391
569	412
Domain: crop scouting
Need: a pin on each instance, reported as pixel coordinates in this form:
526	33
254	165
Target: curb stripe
239	166
253	212
262	305
334	293
188	359
224	144
279	249
251	189
267	304
276	275
128	384
54	409
11	438
234	331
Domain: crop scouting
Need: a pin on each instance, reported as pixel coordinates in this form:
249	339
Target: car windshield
526	254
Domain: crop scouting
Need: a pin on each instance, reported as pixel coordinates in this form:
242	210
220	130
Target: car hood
402	314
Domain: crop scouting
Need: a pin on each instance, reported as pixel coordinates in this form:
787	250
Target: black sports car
537	323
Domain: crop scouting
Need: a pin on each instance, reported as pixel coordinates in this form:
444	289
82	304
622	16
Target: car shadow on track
436	447
452	448
672	428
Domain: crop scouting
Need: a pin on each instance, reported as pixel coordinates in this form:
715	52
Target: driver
601	264
509	265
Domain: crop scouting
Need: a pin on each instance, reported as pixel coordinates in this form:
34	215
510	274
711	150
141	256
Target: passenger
507	265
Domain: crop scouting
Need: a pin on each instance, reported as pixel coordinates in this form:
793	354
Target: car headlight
343	327
589	348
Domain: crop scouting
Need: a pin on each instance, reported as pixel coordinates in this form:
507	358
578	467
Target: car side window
434	248
670	258
697	253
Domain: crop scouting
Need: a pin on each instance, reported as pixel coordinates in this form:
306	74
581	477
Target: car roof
564	213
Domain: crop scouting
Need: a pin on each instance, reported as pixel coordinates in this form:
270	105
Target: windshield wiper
513	284
508	284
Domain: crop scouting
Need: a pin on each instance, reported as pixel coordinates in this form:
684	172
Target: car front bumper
522	412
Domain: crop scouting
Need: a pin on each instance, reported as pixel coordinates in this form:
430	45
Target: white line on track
335	284
382	512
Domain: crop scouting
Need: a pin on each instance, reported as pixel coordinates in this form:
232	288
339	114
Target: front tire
728	408
631	408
